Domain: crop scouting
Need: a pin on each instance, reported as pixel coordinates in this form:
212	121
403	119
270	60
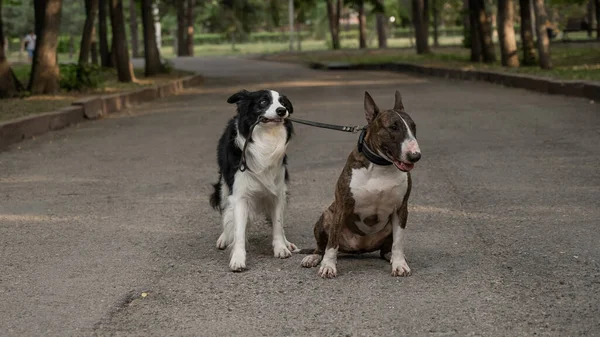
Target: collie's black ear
287	104
241	95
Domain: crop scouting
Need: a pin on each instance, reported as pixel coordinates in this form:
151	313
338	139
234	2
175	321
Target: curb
584	89
89	108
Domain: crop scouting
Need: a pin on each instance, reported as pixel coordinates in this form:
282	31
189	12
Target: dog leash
344	128
352	129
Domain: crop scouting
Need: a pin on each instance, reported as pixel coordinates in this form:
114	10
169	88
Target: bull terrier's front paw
223	241
311	260
400	268
327	270
238	260
281	251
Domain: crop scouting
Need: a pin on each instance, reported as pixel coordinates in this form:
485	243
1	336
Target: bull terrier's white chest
377	192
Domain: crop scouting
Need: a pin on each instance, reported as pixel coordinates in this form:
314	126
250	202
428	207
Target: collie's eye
263	103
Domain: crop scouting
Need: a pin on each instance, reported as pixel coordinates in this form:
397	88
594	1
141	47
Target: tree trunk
190	28
485	33
476	48
420	13
121	54
298	36
590	17
362	23
105	57
91	11
9	84
181	25
133	28
94	47
543	42
44	69
436	15
151	55
381	35
527	41
597	7
333	15
506	34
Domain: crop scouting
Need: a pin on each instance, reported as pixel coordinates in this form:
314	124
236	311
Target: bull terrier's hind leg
386	249
315	258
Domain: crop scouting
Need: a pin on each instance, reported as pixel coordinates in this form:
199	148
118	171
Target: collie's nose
413	157
281	112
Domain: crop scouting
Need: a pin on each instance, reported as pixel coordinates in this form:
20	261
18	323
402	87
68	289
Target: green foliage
17	18
76	77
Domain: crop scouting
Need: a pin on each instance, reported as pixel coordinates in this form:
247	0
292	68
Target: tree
597	6
420	15
362	24
181	25
485	33
105	57
190	28
527	42
543	42
153	65
482	46
94	47
133	29
333	16
9	84
44	69
380	22
506	34
121	54
91	11
436	19
476	48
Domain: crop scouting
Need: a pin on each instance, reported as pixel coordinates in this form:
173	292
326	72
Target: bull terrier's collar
370	155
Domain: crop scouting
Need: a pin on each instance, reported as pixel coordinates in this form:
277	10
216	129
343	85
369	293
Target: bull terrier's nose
281	112
413	156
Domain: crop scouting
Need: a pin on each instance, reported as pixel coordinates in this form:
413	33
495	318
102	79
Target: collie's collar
368	153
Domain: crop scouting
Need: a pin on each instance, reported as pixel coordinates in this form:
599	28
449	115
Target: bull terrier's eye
394	127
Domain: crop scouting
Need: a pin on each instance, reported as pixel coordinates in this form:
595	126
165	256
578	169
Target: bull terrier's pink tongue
403	166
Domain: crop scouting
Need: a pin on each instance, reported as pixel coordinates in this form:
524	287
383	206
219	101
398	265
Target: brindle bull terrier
370	208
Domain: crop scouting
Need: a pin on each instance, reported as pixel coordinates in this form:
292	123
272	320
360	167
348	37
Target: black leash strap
243	164
352	129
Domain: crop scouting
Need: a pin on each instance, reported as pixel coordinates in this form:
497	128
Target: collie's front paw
238	260
281	251
223	241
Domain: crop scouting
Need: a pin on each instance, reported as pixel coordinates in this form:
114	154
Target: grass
31	105
570	61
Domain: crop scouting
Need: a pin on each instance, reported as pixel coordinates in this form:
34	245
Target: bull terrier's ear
398	103
371	109
239	96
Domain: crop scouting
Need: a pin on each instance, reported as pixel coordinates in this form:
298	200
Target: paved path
503	232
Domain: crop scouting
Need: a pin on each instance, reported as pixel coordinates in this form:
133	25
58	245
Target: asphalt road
503	231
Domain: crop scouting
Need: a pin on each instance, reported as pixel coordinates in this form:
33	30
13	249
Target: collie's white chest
264	157
377	191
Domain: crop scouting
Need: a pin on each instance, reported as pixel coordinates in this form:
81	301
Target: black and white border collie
261	189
